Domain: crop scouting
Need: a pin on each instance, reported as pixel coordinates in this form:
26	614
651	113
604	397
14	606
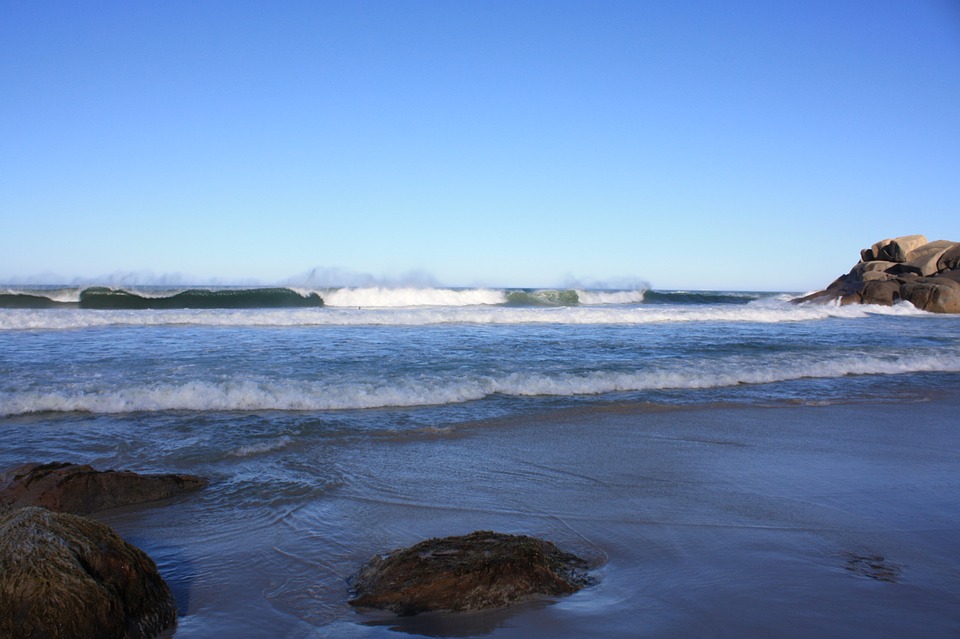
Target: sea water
481	352
295	410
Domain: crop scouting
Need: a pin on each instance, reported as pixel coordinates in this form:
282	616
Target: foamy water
438	390
772	311
333	358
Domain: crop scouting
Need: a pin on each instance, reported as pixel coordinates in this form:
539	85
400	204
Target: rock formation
908	268
81	490
481	570
66	577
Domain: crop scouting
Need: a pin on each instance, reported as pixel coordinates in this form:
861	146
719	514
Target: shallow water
725	521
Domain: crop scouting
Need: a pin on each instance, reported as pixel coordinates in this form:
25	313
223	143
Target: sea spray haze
291	411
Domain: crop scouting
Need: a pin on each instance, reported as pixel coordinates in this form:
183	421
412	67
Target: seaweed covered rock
66	577
908	268
473	572
82	490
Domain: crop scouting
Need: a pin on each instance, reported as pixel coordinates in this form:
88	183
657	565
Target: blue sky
724	145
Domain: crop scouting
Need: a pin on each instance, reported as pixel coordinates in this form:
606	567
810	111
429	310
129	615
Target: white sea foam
610	297
380	297
292	395
764	311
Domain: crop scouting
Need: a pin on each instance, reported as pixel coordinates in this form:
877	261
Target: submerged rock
873	566
908	268
81	490
473	572
66	577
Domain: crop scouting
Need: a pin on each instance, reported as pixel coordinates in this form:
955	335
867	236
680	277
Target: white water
762	311
382	297
610	297
420	390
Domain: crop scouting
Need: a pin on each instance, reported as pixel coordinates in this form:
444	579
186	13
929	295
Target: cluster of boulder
66	576
908	268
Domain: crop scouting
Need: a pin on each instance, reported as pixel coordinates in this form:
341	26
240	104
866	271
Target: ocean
694	446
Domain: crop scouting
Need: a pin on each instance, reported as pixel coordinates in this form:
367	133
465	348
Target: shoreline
703	521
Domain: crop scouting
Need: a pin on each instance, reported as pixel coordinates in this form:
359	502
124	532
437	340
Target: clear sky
717	144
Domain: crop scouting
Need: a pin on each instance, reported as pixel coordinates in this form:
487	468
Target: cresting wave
105	298
290	395
380	297
443	297
161	298
154	297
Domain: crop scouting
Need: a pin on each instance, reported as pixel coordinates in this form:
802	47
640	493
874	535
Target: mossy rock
64	576
472	572
80	489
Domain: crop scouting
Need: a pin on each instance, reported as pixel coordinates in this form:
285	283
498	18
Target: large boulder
950	260
924	259
894	249
873	266
907	268
477	571
938	294
883	292
66	577
80	489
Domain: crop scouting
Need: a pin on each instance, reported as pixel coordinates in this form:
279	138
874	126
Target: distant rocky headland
908	268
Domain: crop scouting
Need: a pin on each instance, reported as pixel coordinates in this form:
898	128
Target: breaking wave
292	395
156	298
381	297
386	297
761	311
700	297
105	298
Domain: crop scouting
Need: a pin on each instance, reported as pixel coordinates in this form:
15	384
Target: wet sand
794	521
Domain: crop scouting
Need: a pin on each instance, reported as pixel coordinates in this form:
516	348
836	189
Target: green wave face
544	297
23	300
698	297
112	299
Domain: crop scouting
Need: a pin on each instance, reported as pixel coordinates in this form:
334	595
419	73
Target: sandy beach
725	521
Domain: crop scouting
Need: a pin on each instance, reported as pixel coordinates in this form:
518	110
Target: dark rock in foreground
908	268
66	577
81	489
477	571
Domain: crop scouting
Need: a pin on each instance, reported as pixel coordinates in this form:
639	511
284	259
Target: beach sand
724	521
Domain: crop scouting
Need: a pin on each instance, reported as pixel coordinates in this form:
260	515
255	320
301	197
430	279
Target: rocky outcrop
908	268
893	250
66	577
477	571
82	490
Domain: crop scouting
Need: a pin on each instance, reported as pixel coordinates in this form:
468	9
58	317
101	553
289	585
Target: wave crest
290	395
107	298
762	311
380	297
